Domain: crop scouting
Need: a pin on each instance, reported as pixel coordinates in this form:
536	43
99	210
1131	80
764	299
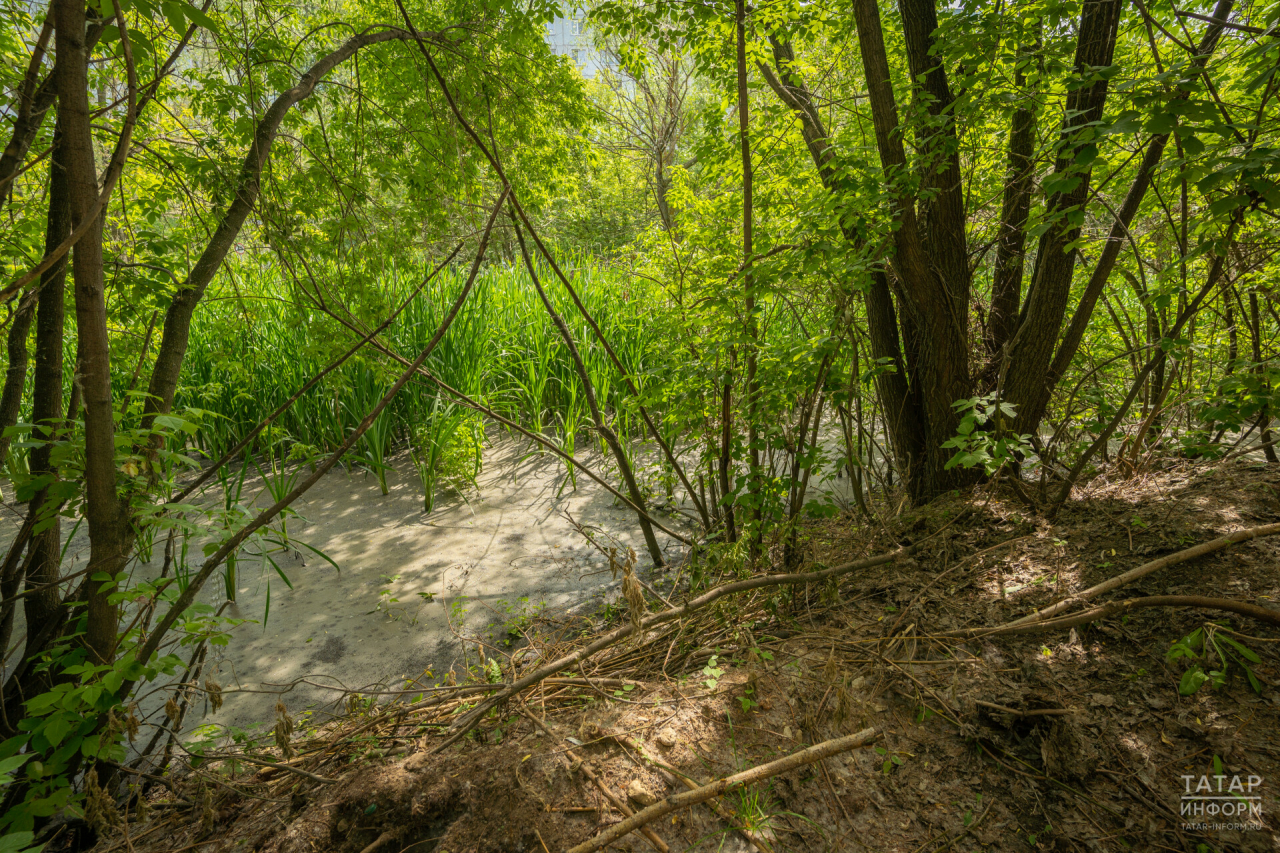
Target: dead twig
1117	608
814	753
1037	712
1141	571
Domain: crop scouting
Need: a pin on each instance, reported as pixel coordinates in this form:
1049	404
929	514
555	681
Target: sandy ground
498	554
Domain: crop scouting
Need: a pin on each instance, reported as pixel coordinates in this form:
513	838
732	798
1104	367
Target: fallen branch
1142	571
1117	608
1035	712
468	721
826	749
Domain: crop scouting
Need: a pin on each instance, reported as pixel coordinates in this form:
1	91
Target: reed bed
247	356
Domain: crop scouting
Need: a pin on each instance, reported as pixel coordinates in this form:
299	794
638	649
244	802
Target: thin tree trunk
1033	408
15	378
108	523
748	287
42	591
1006	278
607	433
177	321
1042	313
1255	341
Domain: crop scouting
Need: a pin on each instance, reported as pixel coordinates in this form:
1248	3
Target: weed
1212	643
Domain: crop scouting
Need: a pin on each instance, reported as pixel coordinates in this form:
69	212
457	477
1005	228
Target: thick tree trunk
929	259
925	338
108	524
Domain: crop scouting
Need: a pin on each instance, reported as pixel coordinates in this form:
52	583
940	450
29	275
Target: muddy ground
1074	740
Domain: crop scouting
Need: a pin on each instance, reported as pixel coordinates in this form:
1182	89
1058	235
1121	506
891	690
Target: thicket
970	242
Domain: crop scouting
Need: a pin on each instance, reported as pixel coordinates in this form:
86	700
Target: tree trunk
108	524
748	288
924	341
1042	314
42	592
1033	408
1006	278
15	378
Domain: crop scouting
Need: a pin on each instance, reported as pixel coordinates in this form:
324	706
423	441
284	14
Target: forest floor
1066	740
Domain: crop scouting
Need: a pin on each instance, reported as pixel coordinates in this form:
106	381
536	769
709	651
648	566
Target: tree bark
46	408
929	259
15	377
1041	317
108	524
1006	278
748	287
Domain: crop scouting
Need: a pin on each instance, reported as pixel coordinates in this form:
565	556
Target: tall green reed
248	354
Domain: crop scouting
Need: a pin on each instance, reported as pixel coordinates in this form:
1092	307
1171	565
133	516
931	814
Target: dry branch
1147	568
1117	608
468	721
649	834
826	749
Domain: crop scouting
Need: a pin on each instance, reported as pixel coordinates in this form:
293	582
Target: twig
467	722
814	753
1037	712
381	840
649	835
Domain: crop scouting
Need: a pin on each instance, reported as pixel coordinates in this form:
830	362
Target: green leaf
56	729
200	18
1192	680
1248	653
173	11
18	841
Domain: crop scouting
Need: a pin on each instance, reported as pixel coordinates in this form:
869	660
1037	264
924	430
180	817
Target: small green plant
1033	837
446	448
891	759
975	442
389	604
968	815
1210	643
712	672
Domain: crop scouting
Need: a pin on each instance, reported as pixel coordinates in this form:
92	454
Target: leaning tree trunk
597	416
176	332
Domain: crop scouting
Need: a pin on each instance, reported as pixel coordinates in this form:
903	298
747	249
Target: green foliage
980	441
1211	645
